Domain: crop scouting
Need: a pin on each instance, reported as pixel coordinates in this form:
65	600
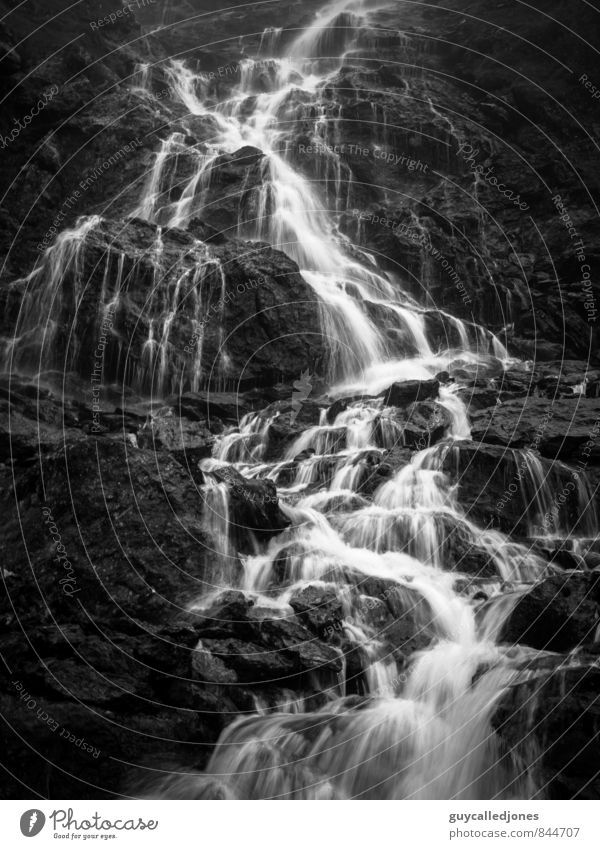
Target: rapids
422	727
417	726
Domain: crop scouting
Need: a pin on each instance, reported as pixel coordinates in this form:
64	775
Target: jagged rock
319	607
497	489
250	661
424	424
245	300
187	441
557	614
403	394
207	406
562	428
208	667
103	496
557	715
254	504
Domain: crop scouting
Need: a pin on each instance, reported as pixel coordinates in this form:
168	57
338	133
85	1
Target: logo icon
32	822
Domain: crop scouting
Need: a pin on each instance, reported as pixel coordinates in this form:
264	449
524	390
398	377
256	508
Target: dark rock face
504	489
190	315
254	504
560	429
108	608
558	614
556	715
402	394
113	615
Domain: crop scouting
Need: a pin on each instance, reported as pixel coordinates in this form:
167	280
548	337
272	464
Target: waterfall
52	290
357	301
378	524
423	729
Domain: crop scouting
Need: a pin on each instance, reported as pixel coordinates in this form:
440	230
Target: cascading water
413	724
423	726
357	300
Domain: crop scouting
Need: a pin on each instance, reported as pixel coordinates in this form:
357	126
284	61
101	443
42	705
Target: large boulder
254	505
161	312
555	715
557	614
563	428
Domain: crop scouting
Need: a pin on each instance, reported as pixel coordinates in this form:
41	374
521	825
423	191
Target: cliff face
457	145
498	89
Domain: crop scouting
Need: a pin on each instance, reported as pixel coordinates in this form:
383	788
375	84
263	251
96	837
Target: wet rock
103	496
556	715
246	300
187	441
232	191
461	553
230	606
409	623
557	614
497	489
281	650
210	407
209	668
409	392
425	423
562	428
254	504
319	607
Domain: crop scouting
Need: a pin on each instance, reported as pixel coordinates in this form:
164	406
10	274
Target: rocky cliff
168	369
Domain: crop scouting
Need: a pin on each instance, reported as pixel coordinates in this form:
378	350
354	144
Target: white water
291	213
423	730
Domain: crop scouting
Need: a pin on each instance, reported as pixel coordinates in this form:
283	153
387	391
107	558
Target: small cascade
140	80
334	30
558	500
269	41
218	527
156	191
246	444
407	712
52	290
274	98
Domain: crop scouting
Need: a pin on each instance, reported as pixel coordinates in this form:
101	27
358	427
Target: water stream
417	723
421	727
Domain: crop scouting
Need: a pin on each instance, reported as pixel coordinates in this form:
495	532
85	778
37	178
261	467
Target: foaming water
404	563
412	718
266	110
